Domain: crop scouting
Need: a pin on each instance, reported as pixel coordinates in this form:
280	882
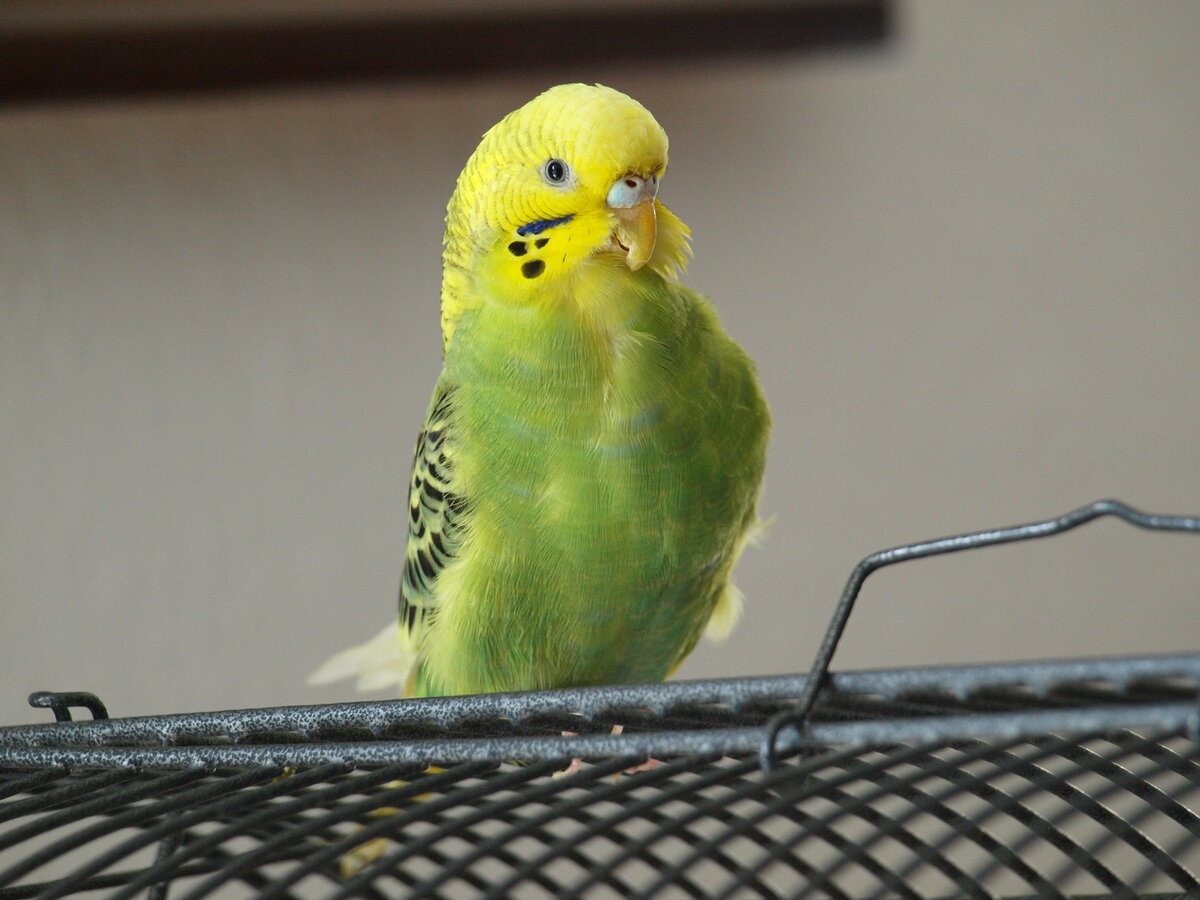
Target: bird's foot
646	766
576	763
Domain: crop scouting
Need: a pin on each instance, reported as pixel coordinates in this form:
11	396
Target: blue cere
541	225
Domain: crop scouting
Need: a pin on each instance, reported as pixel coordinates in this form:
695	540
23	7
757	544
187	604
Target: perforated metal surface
1061	779
1109	810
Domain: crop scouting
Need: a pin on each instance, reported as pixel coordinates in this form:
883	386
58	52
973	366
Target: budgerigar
590	464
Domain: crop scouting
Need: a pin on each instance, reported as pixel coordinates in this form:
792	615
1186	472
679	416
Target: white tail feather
378	664
728	610
725	614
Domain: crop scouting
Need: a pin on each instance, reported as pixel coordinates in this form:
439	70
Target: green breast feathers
590	464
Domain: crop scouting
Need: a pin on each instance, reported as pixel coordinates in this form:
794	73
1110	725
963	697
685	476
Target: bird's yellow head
563	185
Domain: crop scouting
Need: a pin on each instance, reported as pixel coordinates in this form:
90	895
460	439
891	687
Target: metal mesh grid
1062	779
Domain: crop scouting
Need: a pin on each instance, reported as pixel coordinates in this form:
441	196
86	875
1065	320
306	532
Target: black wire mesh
1061	779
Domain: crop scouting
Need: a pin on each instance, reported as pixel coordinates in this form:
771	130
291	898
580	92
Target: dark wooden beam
95	60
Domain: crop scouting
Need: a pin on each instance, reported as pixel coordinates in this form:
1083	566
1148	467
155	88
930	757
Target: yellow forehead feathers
598	132
515	225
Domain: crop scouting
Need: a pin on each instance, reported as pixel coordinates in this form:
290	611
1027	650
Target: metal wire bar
959	781
96	883
626	812
1012	804
478	814
934	802
923	850
1164	760
1163	717
1041	780
689	833
29	783
386	824
254	880
1137	883
1079	803
646	851
1097	848
1057	778
821	827
707	806
61	702
409	791
61	797
382	717
64	845
125	848
598	826
897	827
314	723
266	813
897	784
158	889
797	718
564	809
927	802
1147	793
773	850
829	835
448	868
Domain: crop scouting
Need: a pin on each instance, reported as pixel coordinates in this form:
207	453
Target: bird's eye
555	171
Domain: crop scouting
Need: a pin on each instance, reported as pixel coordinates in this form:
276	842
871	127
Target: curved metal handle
61	703
798	717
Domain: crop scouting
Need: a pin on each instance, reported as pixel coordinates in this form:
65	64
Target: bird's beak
631	200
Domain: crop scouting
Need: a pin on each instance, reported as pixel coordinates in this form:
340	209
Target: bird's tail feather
728	608
380	663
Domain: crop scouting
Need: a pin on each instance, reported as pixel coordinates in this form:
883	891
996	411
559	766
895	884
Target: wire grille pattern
1061	779
1111	811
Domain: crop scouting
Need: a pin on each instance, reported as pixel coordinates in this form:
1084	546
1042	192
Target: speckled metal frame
1064	778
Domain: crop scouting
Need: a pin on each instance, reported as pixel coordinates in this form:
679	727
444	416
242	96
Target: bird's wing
435	519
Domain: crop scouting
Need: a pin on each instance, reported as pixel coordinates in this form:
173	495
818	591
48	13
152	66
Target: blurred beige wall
968	266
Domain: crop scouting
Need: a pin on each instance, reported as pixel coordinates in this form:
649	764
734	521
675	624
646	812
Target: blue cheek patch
541	225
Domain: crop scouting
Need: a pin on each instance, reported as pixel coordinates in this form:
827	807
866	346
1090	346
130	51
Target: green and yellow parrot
590	464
